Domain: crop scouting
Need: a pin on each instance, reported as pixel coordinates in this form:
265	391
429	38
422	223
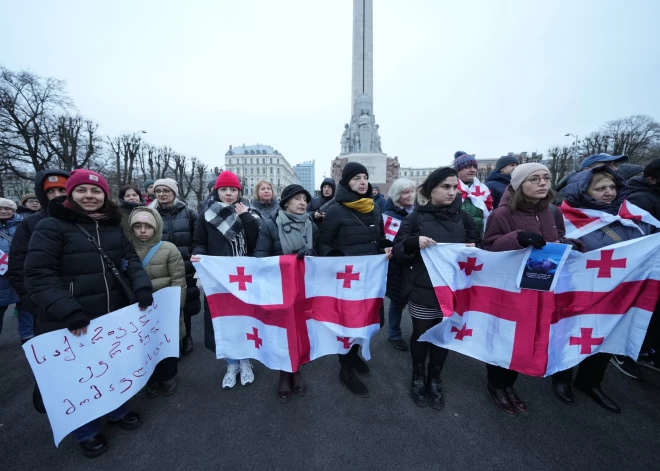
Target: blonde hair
599	176
258	185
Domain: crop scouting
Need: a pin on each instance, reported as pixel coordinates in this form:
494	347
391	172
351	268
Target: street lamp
575	144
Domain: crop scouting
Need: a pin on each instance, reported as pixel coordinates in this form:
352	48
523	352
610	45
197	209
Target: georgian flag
4	262
603	301
392	226
286	312
479	194
580	222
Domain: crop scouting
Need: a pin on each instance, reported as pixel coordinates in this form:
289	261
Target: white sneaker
247	376
229	381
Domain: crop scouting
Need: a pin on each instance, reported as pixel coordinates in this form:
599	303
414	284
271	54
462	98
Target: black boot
359	365
187	345
418	386
348	377
37	400
434	387
95	446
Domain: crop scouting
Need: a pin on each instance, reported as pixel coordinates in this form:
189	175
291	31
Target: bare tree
125	149
634	136
73	141
195	180
561	162
27	101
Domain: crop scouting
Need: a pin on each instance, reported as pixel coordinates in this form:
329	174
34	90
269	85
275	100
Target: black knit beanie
352	169
435	178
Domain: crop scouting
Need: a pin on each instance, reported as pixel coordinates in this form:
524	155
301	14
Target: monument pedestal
383	170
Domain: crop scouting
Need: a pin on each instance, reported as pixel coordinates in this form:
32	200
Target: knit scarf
223	217
95	215
363	205
295	231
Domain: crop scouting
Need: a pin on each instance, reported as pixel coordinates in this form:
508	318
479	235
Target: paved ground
204	427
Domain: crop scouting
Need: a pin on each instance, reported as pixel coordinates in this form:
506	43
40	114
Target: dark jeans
419	350
394	321
499	377
590	372
165	370
93	428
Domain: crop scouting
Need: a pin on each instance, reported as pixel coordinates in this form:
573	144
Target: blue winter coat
576	196
497	183
8	227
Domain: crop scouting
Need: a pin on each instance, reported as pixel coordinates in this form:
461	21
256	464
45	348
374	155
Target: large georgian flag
602	302
285	312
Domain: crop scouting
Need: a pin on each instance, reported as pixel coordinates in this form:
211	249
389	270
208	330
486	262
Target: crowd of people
75	255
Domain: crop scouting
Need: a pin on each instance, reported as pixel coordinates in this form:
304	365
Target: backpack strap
414	222
147	258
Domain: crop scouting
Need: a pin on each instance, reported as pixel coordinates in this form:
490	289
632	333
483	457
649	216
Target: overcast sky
487	77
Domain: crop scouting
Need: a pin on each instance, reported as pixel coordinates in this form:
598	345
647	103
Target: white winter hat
521	172
169	183
7	203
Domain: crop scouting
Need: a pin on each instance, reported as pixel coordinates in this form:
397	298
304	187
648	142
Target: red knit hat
228	179
86	177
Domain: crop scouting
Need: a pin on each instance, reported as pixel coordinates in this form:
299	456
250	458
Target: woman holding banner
227	228
69	275
354	226
289	231
522	219
438	218
603	191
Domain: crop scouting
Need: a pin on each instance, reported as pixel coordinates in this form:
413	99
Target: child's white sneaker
229	381
247	376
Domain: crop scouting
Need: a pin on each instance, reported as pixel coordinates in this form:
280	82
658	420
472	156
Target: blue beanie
463	160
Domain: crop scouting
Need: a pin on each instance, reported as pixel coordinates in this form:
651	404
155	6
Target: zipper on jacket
71	288
107	288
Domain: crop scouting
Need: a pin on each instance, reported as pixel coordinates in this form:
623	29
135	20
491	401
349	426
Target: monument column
363	50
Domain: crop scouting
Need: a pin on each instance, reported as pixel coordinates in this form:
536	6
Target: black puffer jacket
394	270
497	183
65	275
349	232
19	245
645	196
445	224
268	243
179	223
318	201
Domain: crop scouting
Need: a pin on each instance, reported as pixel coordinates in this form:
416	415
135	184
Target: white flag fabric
602	302
288	312
392	226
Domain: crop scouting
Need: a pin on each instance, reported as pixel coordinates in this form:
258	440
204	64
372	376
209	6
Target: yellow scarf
363	205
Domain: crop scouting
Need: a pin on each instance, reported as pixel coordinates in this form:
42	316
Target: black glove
144	297
305	252
76	321
527	238
335	253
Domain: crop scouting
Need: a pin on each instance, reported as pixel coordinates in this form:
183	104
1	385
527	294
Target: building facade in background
488	165
260	162
305	172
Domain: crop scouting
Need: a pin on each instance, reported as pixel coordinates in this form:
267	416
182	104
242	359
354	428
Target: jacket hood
13	221
344	195
497	176
158	234
564	181
328	181
638	184
391	207
57	210
576	192
39	179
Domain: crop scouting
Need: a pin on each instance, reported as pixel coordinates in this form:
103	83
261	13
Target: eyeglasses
31	201
163	192
536	180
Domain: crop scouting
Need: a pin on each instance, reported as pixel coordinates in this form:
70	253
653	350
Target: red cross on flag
392	226
602	302
285	312
4	262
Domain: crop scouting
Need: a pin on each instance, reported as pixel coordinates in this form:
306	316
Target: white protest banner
4	262
83	378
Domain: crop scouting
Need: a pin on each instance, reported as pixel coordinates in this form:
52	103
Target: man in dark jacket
48	184
378	198
178	228
320	204
645	193
500	177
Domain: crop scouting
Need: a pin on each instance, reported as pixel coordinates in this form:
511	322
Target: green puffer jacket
476	213
166	267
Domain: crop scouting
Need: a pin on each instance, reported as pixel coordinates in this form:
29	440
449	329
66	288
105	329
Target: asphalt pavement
202	427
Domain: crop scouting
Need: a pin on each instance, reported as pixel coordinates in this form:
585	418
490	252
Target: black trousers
351	355
590	372
165	370
499	377
652	339
419	350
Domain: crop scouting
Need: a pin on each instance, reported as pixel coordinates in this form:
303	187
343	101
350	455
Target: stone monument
360	141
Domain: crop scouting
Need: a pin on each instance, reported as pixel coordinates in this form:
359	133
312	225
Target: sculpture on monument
363	130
